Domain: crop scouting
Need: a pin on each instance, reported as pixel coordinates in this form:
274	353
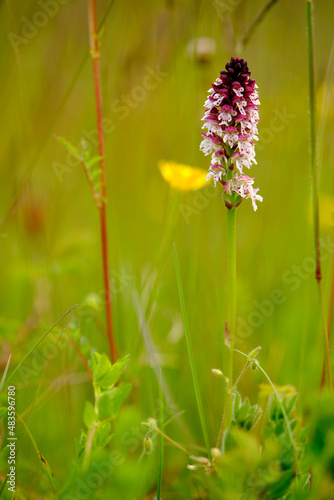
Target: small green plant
98	416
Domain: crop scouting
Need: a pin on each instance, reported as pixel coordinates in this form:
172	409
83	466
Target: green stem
174	443
315	189
161	450
88	448
231	283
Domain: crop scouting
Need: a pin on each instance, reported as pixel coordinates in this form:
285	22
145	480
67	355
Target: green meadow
146	426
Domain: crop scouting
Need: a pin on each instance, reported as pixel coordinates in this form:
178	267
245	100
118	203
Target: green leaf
67	145
105	374
228	443
102	435
90	417
80	445
95	174
101	366
110	401
93	161
290	404
2	412
244	415
97	186
242	412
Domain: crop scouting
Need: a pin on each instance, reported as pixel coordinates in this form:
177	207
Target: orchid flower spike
231	118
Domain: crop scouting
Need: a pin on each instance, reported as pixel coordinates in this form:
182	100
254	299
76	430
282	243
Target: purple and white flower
230	120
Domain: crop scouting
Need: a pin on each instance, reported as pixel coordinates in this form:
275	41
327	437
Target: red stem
95	53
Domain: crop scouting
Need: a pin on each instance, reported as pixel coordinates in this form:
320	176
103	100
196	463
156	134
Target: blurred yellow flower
182	177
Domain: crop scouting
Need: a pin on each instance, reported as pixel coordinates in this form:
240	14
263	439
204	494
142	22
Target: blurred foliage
158	60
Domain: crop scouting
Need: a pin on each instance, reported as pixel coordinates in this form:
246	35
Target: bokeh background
155	77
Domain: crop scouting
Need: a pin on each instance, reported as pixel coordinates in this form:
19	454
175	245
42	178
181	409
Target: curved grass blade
254	24
45	465
161	448
191	354
5	373
37	344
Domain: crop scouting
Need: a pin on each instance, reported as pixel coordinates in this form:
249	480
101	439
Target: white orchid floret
243	186
216	171
230	136
226	114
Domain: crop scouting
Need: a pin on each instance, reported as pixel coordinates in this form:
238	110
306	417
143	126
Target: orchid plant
230	119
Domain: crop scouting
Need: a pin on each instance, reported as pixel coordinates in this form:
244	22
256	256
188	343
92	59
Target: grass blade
45	465
315	189
191	354
5	373
161	448
37	344
254	24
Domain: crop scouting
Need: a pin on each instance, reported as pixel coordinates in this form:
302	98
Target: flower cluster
231	118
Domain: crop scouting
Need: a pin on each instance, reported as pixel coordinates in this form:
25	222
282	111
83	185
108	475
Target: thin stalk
229	397
88	448
34	347
5	372
254	24
232	283
161	449
277	396
174	443
315	190
42	460
191	354
95	54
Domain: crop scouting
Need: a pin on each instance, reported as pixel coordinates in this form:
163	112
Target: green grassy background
50	249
